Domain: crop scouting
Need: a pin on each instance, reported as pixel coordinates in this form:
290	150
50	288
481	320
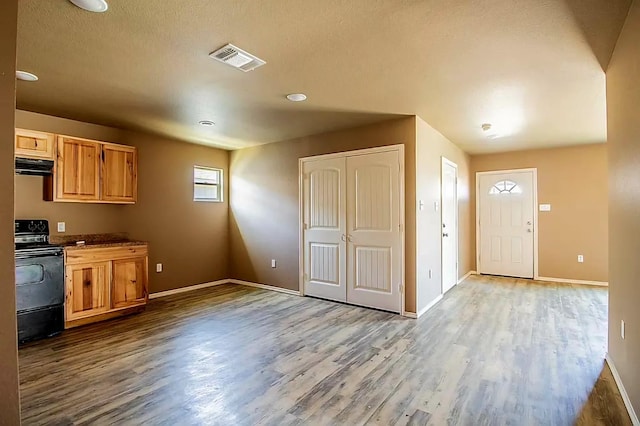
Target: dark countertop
98	244
119	239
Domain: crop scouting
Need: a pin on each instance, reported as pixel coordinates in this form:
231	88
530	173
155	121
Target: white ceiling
532	68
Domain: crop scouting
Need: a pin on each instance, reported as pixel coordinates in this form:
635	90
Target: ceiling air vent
237	58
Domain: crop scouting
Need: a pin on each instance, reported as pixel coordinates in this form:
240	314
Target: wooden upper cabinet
77	172
31	144
87	290
129	278
119	174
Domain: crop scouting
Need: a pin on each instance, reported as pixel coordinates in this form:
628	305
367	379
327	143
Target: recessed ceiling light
91	5
297	97
26	76
206	123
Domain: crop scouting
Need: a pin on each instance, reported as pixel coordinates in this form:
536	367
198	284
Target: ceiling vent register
237	58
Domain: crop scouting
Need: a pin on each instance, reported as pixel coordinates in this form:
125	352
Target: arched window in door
505	187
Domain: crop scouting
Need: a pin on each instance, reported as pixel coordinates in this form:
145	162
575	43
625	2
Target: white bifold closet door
352	238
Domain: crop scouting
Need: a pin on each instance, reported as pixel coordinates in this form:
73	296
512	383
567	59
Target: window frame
219	184
513	189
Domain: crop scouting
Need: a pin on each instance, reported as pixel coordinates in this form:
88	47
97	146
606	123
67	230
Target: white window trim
220	185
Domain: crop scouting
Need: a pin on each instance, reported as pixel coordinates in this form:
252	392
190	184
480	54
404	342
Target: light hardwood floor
494	351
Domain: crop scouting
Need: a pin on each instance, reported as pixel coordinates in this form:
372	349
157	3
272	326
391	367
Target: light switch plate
158	267
273	263
580	258
62	227
622	328
545	207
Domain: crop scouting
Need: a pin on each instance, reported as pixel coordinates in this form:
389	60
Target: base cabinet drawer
99	290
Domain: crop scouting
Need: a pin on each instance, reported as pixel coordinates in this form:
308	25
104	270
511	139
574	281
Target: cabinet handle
36	141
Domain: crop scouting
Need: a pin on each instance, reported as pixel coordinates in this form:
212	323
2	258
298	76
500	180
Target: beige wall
574	181
623	105
431	146
190	239
9	391
264	201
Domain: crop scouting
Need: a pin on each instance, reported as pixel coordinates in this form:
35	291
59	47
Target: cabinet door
32	144
129	282
87	290
119	174
78	170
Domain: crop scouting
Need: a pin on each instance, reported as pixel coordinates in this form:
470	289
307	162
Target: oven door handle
20	256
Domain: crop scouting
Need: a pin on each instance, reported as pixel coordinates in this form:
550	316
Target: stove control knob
41	226
32	226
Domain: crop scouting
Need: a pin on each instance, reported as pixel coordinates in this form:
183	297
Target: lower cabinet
129	282
87	292
103	283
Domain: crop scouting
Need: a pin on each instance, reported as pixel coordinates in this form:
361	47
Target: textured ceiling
532	68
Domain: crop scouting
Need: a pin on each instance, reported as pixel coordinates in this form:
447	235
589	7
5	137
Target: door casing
387	148
534	171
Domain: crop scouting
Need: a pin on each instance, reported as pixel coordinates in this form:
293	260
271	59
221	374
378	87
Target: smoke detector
297	97
237	58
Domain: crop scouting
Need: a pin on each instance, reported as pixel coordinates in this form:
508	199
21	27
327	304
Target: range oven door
39	279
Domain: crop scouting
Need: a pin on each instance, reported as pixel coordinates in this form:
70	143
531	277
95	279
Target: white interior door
506	218
325	228
374	246
449	194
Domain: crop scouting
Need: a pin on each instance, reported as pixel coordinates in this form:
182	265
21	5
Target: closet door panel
324	237
374	250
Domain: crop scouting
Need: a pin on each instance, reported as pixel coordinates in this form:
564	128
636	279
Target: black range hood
29	166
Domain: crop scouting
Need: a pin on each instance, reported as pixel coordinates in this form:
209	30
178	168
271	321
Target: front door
506	220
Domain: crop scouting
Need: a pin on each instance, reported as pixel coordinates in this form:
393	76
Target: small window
505	187
207	184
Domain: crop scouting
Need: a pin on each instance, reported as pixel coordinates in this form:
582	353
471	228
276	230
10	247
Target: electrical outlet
622	328
273	263
158	267
62	227
580	258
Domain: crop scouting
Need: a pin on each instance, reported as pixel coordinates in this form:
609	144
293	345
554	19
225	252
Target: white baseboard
467	275
188	288
410	315
623	392
429	306
265	287
568	281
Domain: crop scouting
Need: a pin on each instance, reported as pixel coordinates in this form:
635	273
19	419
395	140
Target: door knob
349	238
343	237
529	230
528	222
445	235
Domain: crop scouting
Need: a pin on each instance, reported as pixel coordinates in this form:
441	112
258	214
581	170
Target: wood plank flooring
493	352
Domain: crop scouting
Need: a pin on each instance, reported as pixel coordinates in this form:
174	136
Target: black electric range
39	281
